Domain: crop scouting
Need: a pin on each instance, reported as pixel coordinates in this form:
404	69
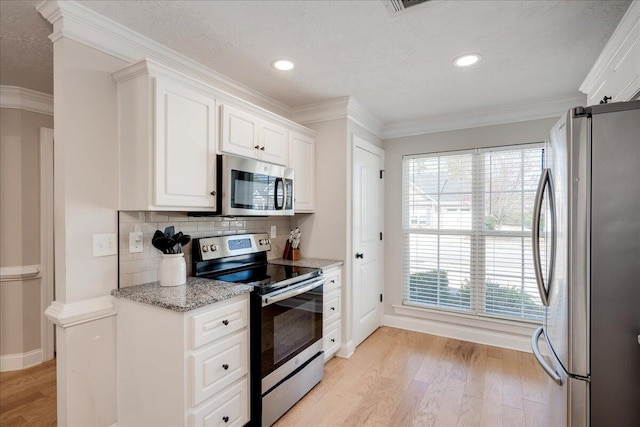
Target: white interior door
367	261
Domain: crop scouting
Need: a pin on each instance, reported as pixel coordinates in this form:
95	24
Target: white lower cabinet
332	312
183	369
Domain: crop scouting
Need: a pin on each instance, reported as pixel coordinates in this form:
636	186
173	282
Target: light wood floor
403	378
394	378
28	397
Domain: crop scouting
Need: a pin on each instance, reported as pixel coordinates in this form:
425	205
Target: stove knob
205	248
213	248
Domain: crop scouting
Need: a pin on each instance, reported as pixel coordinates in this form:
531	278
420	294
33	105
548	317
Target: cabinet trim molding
622	31
76	22
76	313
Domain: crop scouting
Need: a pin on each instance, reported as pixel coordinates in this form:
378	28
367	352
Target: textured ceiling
398	67
26	53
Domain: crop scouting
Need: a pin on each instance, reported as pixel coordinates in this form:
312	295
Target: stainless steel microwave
254	188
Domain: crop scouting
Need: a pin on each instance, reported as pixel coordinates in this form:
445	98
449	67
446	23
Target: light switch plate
105	244
136	242
273	231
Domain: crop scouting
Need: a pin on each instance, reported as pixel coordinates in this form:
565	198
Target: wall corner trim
76	313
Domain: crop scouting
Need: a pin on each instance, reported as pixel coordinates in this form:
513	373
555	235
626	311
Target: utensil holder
295	254
173	270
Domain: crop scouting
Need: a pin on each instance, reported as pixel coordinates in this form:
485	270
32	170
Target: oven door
291	323
251	187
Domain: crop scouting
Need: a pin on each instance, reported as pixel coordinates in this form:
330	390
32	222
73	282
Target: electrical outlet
273	231
135	242
105	244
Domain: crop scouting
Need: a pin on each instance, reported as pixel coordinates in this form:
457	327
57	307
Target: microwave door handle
279	185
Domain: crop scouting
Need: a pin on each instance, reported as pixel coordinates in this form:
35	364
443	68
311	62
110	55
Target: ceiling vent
395	7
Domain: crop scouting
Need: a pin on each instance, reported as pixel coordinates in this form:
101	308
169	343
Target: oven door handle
305	286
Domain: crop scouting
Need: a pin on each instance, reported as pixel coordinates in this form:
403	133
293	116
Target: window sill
480	329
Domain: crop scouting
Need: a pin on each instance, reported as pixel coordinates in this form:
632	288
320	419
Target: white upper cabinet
273	143
245	134
302	160
167	131
616	73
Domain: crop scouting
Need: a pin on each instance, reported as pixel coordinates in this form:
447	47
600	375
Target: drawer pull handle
333	340
225	419
225	366
333	308
225	322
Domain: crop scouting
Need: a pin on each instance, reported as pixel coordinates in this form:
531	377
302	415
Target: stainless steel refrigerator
586	249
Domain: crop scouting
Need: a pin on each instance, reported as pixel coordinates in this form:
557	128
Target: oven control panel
209	248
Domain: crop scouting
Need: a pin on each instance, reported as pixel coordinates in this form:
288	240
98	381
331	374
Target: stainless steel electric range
286	319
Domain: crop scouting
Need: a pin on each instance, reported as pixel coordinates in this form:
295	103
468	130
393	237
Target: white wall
20	305
507	134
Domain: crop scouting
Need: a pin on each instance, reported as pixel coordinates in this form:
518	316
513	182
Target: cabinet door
302	160
274	143
239	132
184	146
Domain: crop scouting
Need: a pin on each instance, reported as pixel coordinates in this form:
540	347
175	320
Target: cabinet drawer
331	306
219	365
333	280
215	324
230	408
331	339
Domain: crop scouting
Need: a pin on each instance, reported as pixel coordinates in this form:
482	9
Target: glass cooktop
267	277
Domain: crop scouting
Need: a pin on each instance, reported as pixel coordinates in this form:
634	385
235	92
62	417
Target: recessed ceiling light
466	60
283	65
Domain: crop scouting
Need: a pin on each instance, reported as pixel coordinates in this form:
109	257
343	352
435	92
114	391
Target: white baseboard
16	362
460	332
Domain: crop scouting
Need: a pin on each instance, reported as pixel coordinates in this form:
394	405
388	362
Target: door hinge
380	297
381	235
381	173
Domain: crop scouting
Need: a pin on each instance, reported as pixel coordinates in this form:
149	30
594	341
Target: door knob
359	255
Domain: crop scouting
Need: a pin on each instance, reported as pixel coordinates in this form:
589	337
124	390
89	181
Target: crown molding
73	21
362	117
531	110
339	108
321	112
76	313
26	99
616	41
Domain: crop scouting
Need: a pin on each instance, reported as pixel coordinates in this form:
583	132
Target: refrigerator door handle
546	182
536	352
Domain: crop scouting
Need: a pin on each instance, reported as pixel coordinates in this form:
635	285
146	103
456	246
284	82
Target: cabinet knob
333	308
333	281
225	419
225	322
333	340
359	255
225	366
262	148
213	193
605	100
257	147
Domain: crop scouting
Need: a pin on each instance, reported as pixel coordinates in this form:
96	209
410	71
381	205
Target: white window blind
467	231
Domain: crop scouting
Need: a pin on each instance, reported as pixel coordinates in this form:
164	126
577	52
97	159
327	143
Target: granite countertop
196	293
308	262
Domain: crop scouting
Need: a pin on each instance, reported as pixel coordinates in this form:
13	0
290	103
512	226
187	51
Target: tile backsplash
142	267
